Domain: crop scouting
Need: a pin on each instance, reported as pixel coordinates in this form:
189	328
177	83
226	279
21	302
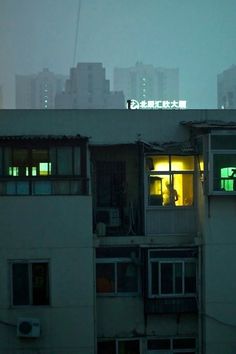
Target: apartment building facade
124	242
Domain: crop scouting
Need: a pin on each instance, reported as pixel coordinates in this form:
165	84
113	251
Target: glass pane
1	162
11	188
53	159
184	343
108	347
64	161
110	182
158	344
224	172
42	188
167	278
182	163
61	187
2	188
127	278
40	284
223	142
161	163
155	278
190	277
20	284
7	162
20	159
183	185
75	187
178	278
128	347
22	188
45	168
40	162
155	190
105	276
77	160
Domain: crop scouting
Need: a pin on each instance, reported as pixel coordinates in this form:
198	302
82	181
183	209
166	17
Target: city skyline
198	38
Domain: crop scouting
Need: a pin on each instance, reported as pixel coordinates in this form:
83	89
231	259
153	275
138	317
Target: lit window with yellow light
170	180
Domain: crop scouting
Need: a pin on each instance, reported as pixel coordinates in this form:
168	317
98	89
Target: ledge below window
171	305
43	187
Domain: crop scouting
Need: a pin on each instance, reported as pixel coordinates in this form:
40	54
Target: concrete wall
120	316
219	312
57	229
107	126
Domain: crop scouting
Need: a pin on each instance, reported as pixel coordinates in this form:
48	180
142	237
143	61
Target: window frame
116	261
171	349
30	280
60	184
210	153
118	340
170	173
168	260
30	164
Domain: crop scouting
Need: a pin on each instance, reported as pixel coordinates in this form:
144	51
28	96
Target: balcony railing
176	220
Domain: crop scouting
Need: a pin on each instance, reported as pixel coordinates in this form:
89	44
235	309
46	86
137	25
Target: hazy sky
199	37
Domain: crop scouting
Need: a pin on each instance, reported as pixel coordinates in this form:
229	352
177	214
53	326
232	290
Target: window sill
112	295
13	307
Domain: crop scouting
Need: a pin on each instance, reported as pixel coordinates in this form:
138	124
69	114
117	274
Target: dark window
153	344
173	277
172	345
123	347
106	347
20	284
105	275
128	347
117	277
30	283
184	343
127	278
110	183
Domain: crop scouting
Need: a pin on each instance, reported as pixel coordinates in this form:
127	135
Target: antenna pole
77	32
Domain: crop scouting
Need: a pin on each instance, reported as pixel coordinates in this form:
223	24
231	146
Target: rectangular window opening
30	283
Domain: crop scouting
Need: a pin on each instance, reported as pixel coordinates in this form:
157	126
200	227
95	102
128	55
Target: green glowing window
43	162
228	178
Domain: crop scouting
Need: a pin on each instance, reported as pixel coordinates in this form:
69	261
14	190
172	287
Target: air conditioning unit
28	327
109	216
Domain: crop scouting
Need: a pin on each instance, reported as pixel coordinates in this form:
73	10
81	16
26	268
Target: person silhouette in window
170	195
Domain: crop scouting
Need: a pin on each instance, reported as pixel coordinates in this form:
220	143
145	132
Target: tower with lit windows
145	82
38	91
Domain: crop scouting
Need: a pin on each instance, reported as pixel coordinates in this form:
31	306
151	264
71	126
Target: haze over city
196	37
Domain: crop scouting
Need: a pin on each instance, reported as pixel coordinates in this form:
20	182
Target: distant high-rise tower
144	82
38	91
88	88
226	88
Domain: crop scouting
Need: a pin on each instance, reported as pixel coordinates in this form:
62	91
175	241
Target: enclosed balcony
170	196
